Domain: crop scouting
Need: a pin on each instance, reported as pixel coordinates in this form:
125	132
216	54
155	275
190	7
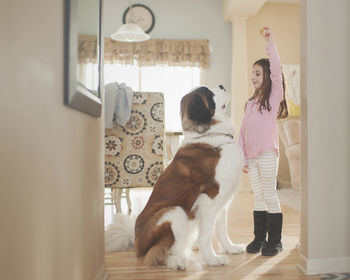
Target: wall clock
141	15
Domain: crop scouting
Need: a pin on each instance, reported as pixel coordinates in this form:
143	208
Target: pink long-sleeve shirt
259	130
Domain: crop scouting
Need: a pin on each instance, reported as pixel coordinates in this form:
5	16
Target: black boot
259	232
274	228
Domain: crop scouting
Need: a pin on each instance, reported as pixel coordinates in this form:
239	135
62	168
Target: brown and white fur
191	197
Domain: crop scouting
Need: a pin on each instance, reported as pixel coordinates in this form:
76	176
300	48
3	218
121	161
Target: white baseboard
324	266
102	273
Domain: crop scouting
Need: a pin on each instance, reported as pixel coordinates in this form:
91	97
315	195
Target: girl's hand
245	169
266	33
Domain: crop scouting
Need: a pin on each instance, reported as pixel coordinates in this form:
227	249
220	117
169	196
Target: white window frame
176	126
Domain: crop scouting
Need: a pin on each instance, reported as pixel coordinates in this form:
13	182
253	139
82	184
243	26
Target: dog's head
200	105
221	98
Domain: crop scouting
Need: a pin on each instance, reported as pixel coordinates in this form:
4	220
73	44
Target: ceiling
246	8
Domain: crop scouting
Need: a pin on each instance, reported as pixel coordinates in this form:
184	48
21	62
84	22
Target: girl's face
257	76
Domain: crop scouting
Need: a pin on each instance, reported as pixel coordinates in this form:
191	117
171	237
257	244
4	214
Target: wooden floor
125	265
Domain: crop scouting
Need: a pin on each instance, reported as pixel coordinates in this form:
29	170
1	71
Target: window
173	81
88	75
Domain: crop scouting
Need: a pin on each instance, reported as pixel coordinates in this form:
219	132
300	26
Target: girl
259	141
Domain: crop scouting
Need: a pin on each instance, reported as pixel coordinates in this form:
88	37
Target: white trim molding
102	273
324	265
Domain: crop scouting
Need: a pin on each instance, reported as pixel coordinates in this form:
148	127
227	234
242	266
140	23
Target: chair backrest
134	154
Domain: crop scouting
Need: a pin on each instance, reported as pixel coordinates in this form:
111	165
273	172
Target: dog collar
214	134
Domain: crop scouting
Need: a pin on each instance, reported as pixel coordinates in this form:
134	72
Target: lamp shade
130	32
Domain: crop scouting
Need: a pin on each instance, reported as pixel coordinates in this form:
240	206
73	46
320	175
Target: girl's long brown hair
263	93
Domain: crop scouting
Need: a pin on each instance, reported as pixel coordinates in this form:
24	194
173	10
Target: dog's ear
198	111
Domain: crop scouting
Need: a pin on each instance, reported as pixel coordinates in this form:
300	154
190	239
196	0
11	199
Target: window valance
170	52
87	49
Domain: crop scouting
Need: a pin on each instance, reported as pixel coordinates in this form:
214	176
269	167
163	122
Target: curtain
153	52
87	49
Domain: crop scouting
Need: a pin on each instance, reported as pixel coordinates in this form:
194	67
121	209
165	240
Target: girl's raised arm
275	66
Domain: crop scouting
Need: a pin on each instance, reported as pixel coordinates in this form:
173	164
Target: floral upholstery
134	153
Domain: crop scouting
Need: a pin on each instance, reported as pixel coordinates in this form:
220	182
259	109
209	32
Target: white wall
325	116
185	19
51	156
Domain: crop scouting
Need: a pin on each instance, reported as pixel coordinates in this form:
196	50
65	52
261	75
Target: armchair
289	131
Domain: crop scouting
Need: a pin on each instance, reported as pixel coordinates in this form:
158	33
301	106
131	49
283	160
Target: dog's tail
158	253
120	235
153	238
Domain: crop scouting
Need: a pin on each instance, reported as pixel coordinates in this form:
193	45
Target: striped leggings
262	173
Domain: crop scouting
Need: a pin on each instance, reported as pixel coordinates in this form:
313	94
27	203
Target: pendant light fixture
130	31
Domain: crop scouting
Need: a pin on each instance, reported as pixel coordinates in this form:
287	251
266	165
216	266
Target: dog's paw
218	260
176	262
236	249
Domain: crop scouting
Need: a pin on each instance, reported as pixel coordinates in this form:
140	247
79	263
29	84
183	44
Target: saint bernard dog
191	197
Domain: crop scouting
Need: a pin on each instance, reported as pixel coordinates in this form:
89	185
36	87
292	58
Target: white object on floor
120	234
138	197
